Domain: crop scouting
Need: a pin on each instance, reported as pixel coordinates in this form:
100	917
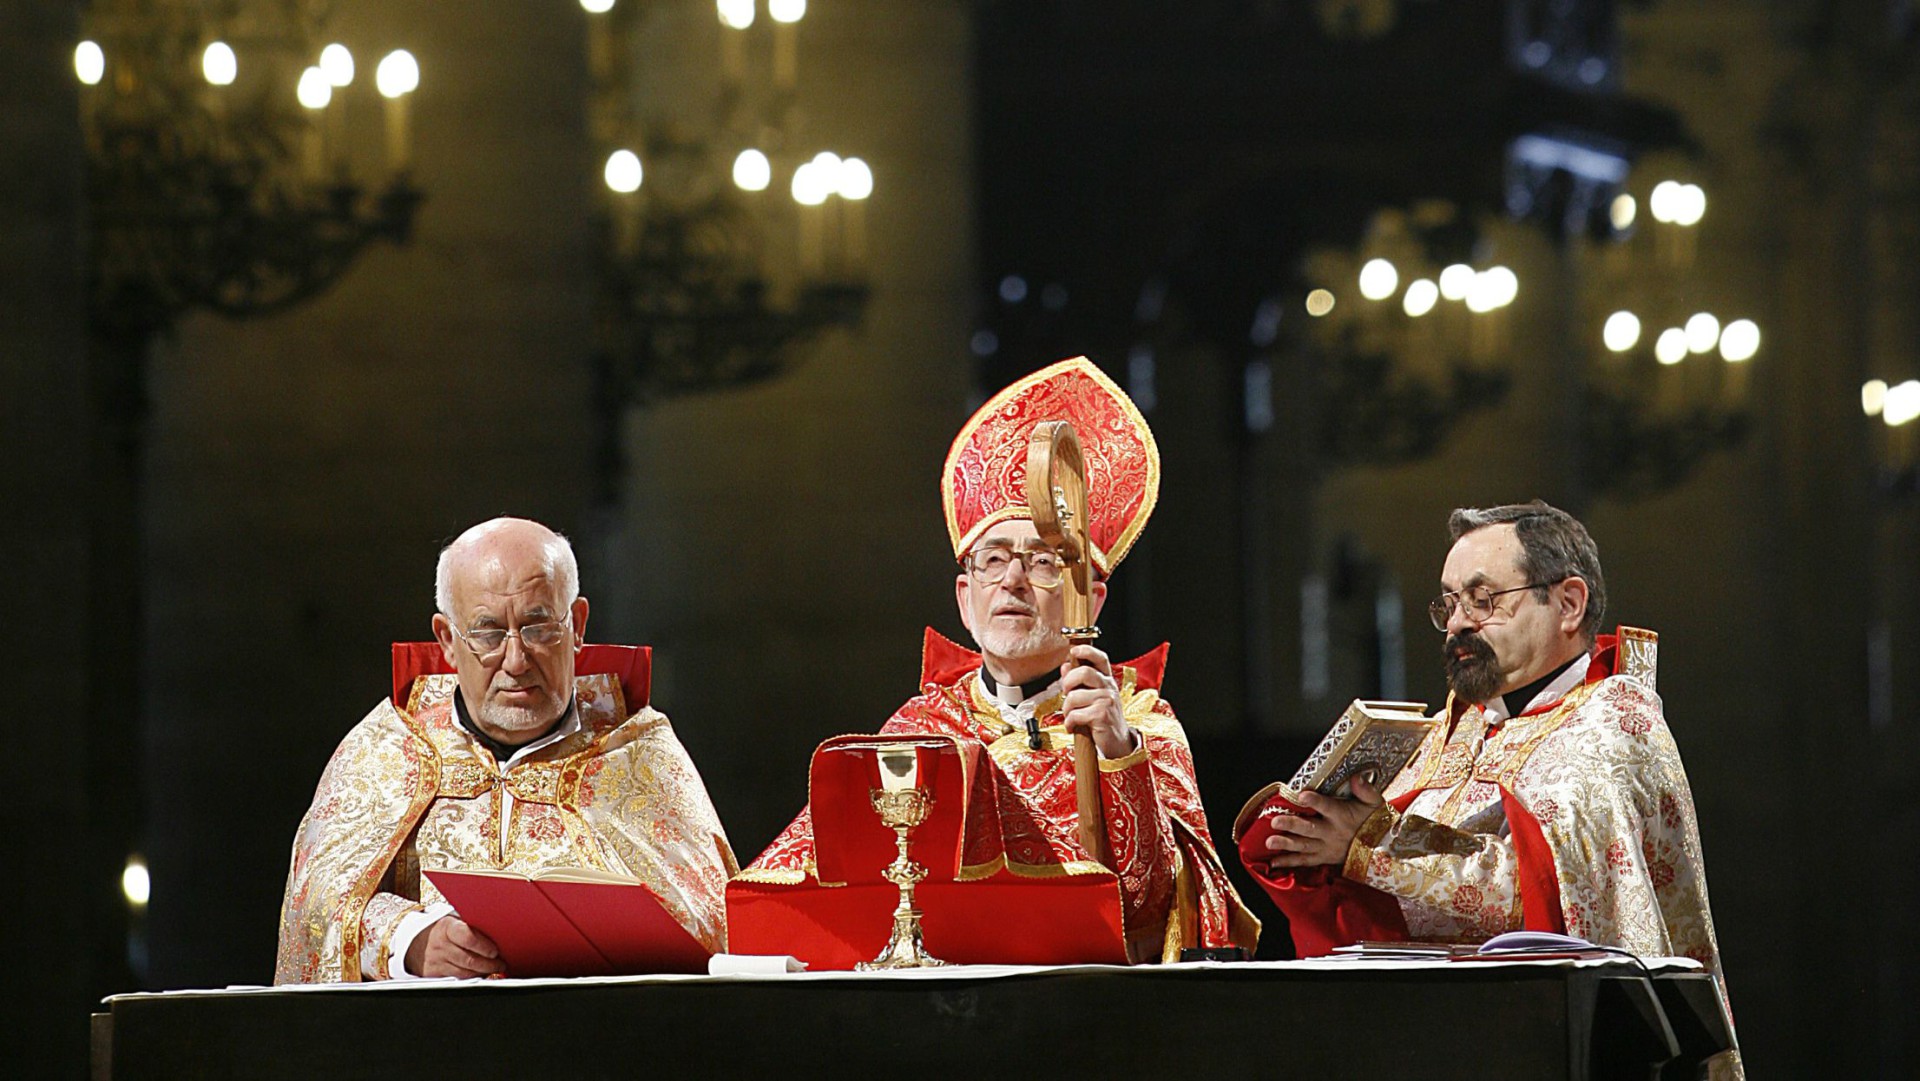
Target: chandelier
219	172
1668	385
1655	357
1406	335
726	242
1419	338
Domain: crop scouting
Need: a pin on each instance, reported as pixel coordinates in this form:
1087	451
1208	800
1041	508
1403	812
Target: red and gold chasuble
1022	817
1174	892
410	787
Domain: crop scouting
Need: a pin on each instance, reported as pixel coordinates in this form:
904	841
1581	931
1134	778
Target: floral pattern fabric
1601	775
411	788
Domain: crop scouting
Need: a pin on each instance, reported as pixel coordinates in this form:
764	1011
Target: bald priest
513	762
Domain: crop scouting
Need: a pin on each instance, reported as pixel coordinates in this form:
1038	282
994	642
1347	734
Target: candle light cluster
760	75
1480	291
325	141
220	163
1420	331
1679	207
731	235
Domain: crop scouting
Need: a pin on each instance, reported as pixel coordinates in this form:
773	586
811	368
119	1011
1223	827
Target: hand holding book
449	947
1321	831
565	922
1311	820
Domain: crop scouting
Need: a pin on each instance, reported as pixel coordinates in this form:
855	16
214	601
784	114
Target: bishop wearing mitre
1026	674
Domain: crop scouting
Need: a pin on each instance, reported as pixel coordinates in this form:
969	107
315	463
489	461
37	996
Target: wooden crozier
1057	496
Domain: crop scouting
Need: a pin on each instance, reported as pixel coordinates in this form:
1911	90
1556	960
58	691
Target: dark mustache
1476	647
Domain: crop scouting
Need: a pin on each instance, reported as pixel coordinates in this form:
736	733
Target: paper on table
753	964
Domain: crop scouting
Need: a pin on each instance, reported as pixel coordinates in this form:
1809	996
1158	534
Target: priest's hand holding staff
1092	703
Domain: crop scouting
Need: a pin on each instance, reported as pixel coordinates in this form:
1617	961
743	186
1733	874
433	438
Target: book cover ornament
1374	740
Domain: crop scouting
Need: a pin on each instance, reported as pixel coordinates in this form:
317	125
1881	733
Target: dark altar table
1319	1019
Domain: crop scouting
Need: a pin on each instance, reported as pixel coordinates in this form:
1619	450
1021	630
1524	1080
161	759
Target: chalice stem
905	948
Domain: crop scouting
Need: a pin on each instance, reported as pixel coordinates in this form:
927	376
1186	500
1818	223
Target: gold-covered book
1374	740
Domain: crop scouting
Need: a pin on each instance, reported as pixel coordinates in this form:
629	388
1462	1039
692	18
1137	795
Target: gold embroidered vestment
411	788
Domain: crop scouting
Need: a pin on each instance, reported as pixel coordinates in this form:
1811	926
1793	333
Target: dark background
1152	179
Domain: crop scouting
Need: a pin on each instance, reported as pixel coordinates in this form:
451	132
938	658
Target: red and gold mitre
986	476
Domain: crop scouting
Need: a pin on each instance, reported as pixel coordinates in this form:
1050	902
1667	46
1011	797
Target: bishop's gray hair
561	564
1553	546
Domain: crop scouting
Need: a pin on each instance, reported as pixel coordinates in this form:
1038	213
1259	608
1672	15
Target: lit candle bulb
735	17
826	171
786	49
856	183
397	76
624	175
810	191
599	38
336	63
219	64
314	93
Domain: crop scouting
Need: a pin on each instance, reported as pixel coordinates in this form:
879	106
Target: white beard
520	720
1036	641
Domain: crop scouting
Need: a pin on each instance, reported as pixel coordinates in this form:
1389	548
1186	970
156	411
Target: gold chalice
902	805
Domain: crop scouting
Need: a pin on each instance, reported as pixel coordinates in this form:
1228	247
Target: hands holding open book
1302	840
448	947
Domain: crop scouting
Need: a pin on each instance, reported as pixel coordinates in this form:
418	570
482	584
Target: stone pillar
55	883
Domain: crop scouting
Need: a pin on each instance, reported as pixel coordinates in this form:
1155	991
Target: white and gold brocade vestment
1576	817
1584	800
412	788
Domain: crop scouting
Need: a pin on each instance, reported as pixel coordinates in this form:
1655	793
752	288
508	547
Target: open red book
571	921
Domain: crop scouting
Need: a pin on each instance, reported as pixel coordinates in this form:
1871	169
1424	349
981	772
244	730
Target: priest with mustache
1027	683
1549	797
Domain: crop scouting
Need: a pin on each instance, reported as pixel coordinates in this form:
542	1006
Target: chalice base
904	950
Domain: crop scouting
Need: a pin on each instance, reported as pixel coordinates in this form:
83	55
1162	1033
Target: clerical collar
1011	696
504	753
1552	686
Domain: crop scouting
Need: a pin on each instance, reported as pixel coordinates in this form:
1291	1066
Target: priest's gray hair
1553	546
561	564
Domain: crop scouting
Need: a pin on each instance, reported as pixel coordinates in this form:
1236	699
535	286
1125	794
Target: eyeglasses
1478	601
490	642
989	565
